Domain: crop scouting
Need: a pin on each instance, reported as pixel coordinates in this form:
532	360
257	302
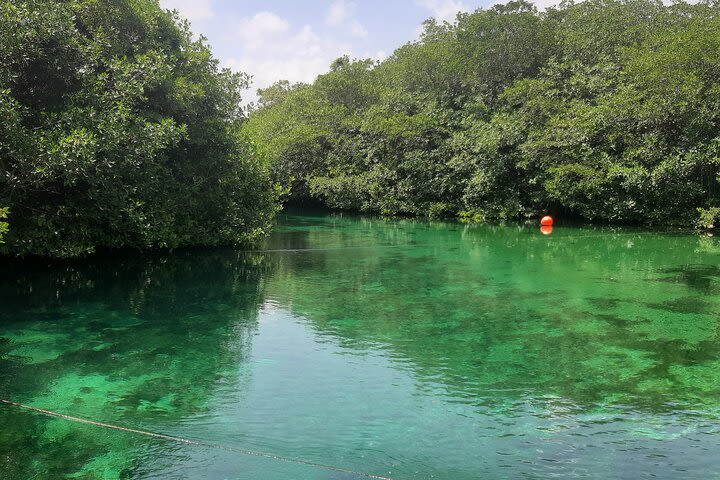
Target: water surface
406	349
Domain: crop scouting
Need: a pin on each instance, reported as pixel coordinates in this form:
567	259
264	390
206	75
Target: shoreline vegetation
600	110
119	129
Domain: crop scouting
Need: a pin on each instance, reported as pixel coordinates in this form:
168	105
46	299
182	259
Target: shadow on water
702	278
142	341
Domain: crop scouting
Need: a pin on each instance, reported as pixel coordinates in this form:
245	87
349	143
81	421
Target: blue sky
297	40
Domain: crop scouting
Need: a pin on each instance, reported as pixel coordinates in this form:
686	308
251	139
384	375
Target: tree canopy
118	129
604	109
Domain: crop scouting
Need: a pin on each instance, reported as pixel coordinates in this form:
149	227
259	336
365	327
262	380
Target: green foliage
119	130
605	109
4	227
707	217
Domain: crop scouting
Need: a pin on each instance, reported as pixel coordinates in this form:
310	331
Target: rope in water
186	441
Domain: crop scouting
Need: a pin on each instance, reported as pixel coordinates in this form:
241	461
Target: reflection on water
408	349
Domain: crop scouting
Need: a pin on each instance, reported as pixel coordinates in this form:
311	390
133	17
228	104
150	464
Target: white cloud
255	31
341	14
338	13
444	10
358	30
193	10
379	56
543	4
270	49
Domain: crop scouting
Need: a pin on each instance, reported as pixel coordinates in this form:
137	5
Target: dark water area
407	349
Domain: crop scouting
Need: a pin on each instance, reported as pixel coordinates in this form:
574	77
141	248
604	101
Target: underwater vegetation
404	348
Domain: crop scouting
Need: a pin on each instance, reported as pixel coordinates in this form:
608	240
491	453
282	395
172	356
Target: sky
297	40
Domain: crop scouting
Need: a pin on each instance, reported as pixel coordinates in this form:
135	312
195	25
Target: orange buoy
546	229
546	221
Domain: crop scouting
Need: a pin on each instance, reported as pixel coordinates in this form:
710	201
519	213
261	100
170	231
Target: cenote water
406	349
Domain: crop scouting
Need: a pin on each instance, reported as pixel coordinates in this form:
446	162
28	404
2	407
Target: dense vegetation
3	225
118	129
603	109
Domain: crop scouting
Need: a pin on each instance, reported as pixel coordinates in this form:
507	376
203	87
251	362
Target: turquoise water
406	349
